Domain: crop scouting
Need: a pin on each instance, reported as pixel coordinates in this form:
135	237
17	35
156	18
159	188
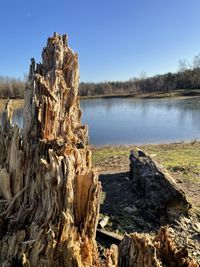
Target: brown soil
126	215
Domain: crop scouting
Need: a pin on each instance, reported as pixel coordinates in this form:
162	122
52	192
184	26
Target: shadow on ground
127	209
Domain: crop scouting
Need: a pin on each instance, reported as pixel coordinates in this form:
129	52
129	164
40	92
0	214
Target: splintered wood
49	191
141	250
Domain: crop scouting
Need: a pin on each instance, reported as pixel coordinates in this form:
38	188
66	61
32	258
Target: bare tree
182	65
196	62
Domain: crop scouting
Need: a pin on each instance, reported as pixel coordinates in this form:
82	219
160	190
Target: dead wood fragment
7	115
157	189
143	250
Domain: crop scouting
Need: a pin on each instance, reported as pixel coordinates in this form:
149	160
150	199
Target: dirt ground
123	208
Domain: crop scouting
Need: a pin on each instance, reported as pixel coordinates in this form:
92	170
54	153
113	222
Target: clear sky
115	39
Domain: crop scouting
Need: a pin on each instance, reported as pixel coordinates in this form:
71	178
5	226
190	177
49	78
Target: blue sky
115	39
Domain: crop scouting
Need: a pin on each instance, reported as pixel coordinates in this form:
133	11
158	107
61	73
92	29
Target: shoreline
181	142
181	93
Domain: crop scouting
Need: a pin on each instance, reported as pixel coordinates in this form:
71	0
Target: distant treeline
11	87
187	79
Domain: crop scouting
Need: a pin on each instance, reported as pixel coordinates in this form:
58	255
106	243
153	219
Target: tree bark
156	189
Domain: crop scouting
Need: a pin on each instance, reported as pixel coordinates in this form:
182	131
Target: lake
137	121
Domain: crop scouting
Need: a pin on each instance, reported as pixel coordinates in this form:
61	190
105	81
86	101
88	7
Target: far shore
182	93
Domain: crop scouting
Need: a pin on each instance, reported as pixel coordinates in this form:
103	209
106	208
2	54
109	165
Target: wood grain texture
49	191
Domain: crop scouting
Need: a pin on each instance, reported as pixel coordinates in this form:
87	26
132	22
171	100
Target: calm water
128	121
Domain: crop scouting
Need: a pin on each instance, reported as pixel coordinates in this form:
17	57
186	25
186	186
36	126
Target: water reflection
126	121
18	117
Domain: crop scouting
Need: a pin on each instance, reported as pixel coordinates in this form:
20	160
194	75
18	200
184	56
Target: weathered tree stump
49	191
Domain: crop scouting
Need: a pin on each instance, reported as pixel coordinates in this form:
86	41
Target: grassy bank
182	159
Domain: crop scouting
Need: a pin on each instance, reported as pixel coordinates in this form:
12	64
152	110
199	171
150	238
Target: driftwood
49	191
158	191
